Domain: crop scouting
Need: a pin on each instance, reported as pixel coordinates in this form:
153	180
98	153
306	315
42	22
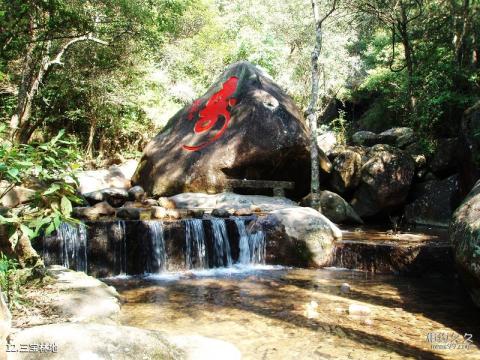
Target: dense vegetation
111	72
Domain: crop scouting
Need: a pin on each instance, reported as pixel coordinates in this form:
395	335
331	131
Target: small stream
270	312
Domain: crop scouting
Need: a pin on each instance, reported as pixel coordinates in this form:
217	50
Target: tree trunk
26	254
91	136
312	107
311	111
409	56
33	75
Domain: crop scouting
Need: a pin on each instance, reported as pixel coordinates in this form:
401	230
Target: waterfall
158	260
243	242
72	241
119	247
221	246
195	247
252	246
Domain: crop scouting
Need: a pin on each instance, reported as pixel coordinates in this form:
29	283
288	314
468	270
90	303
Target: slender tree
312	107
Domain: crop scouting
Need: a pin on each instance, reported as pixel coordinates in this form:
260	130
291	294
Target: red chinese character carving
216	106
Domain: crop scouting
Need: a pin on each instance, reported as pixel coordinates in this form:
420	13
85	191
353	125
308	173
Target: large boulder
465	237
244	127
401	136
327	141
14	196
116	176
469	156
434	203
297	236
334	207
346	165
95	341
385	181
368	138
229	201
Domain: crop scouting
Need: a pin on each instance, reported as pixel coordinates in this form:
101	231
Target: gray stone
94	212
326	141
95	341
117	176
15	196
220	212
465	237
346	167
402	136
159	212
114	196
136	193
385	181
230	201
297	236
334	207
368	138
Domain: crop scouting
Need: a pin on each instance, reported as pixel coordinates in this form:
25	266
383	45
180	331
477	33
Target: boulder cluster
377	175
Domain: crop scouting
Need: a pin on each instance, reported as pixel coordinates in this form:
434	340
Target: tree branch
57	59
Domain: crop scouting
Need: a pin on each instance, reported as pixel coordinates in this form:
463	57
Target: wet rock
15	196
197	213
219	212
149	202
114	196
82	298
297	236
327	141
345	288
128	213
360	310
159	212
136	193
117	176
434	202
469	150
346	166
261	134
364	138
94	212
465	237
230	201
166	203
174	214
385	181
5	320
95	341
243	212
444	160
401	136
334	207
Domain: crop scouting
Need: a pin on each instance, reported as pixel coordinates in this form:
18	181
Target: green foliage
8	282
49	168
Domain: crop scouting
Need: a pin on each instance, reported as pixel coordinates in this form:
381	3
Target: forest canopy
112	72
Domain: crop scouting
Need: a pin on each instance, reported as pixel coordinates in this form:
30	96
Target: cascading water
195	247
252	246
120	247
158	260
221	247
72	242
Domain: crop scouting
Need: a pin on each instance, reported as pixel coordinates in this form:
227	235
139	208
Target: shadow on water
404	309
